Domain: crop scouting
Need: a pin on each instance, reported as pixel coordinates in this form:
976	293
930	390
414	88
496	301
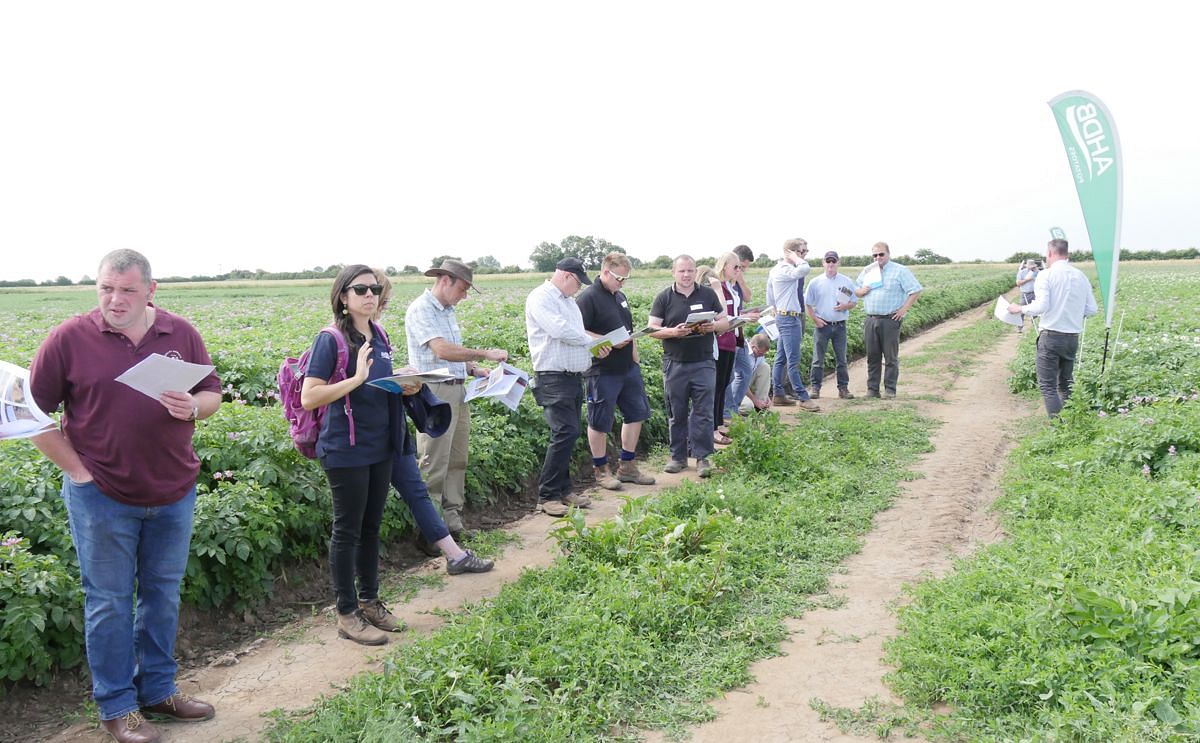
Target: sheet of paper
409	375
157	374
873	276
20	416
1002	313
608	340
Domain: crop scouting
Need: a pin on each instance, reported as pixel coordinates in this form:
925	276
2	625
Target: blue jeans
834	332
743	366
787	355
127	552
406	479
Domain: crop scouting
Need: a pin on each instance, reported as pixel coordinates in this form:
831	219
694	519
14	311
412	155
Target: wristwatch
195	413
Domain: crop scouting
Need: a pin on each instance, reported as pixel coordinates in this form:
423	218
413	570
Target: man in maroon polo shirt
130	489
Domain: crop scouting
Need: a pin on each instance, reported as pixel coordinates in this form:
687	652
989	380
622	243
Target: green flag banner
1094	154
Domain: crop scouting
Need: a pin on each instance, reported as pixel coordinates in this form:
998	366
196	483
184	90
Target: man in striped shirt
885	305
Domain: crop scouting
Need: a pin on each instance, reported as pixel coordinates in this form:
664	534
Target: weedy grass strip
644	617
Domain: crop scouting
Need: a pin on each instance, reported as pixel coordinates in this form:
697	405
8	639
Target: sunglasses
620	279
362	289
831	260
876	255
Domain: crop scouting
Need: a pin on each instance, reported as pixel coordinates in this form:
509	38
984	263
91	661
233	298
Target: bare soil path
831	654
836	654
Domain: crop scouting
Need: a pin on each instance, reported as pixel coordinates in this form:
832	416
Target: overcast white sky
282	136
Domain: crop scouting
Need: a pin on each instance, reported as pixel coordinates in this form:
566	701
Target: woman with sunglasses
355	449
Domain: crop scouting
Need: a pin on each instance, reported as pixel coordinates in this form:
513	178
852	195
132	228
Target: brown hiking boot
809	405
378	615
627	471
605	479
354	626
132	728
845	394
180	708
579	500
782	401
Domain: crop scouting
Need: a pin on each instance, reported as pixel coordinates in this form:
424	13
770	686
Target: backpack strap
340	369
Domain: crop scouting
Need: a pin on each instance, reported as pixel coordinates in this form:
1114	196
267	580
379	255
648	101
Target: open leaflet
608	340
506	383
409	375
20	417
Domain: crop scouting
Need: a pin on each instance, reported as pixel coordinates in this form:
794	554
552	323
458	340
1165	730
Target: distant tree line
1126	255
591	250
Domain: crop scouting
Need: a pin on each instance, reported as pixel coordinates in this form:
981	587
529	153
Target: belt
886	314
789	313
456	380
567	373
834	322
1056	332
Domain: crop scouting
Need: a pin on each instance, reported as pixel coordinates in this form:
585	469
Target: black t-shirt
603	312
674	308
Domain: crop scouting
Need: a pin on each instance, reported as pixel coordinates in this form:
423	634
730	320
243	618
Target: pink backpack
305	425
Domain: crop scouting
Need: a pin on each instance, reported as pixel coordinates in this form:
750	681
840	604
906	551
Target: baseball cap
575	266
832	254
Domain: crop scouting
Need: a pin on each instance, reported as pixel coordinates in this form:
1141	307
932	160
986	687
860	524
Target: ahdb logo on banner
1093	146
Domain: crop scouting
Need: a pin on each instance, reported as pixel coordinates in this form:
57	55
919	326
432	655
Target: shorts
608	392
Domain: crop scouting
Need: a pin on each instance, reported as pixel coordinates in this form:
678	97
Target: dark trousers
882	336
835	333
406	478
1056	368
561	397
725	361
359	495
690	383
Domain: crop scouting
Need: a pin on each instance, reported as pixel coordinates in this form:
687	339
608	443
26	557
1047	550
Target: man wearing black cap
435	342
828	301
558	345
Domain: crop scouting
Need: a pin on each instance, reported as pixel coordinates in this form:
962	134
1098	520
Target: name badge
697	307
625	304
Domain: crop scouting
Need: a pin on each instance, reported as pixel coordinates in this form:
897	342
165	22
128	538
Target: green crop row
643	617
1084	624
261	505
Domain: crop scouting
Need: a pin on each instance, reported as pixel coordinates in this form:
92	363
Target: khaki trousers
443	460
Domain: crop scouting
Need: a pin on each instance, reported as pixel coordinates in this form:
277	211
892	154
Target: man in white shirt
558	345
1062	298
785	290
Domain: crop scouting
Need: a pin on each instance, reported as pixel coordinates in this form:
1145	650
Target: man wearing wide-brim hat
435	342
